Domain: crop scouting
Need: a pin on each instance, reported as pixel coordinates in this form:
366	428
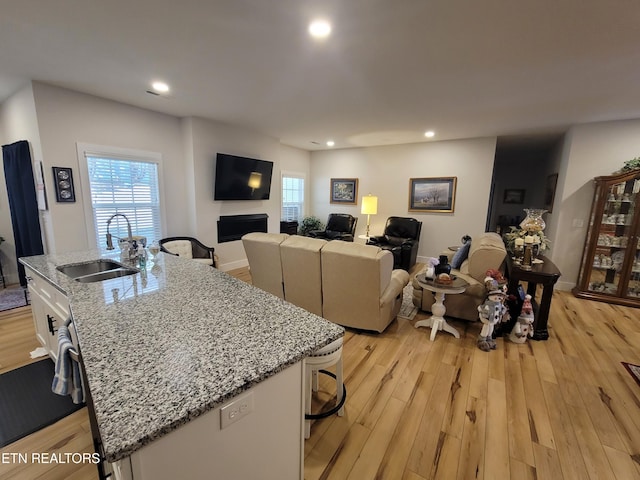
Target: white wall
66	117
385	172
294	160
17	122
208	138
187	146
590	150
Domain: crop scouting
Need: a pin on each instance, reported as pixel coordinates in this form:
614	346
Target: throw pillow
460	256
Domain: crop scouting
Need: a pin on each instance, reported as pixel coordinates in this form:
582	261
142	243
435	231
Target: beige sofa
487	251
351	284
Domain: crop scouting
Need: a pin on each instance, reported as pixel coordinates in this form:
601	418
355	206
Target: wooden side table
437	321
547	275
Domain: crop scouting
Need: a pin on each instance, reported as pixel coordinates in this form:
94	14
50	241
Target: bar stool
316	362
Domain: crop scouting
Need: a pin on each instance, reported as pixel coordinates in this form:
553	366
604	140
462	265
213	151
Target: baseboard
421	259
564	286
225	267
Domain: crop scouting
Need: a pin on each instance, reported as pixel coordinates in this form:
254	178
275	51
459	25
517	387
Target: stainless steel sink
96	271
109	274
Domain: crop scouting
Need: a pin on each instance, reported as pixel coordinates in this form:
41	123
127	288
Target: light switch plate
236	409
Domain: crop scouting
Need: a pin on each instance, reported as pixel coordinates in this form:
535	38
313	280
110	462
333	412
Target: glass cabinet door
613	250
633	286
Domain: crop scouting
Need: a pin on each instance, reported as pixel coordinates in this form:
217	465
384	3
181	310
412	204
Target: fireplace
233	227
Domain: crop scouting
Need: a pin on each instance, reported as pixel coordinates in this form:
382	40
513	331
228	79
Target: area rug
12	297
408	309
27	402
634	370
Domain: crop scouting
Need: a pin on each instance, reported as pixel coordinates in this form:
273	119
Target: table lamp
369	207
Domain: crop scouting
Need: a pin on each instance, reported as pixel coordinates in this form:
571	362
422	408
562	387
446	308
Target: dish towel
67	379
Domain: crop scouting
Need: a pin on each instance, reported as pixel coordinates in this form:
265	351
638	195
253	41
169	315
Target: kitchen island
164	349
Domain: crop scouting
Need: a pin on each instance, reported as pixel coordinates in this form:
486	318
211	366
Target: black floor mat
27	403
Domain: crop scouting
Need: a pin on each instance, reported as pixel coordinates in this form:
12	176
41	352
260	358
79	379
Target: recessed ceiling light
319	29
429	133
160	87
330	143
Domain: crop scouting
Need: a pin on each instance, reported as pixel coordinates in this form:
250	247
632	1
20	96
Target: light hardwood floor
564	408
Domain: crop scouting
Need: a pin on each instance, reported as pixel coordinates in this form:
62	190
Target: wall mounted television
242	178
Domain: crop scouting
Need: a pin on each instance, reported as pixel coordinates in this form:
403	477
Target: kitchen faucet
109	236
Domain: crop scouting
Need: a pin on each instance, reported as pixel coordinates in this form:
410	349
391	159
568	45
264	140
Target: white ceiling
390	70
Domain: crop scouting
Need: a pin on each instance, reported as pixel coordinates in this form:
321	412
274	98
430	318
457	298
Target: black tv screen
242	178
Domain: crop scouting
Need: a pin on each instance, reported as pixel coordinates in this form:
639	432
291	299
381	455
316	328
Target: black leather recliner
401	237
340	226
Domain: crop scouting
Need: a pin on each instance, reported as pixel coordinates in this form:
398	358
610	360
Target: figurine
491	312
497	276
524	326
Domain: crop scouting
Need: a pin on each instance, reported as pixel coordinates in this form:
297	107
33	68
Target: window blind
124	186
292	198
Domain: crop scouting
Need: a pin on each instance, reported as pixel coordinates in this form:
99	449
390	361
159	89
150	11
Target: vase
443	266
533	222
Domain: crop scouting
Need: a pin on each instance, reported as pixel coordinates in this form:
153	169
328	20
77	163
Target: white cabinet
50	308
266	443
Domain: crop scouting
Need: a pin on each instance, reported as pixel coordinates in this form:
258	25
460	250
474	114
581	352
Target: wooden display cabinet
610	268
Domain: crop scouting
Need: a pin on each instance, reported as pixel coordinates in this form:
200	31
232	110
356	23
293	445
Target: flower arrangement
516	232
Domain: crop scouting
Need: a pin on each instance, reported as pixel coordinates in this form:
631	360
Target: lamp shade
369	205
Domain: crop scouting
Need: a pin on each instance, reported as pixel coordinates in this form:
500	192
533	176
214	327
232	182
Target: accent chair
401	237
189	247
340	226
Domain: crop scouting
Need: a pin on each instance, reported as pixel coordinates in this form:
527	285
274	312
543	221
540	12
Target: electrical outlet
577	223
235	410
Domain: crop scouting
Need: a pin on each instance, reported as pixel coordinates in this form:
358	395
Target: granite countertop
174	341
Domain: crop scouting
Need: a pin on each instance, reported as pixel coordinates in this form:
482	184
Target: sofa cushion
486	251
301	272
263	254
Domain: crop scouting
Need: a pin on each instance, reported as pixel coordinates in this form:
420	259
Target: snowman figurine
524	326
491	312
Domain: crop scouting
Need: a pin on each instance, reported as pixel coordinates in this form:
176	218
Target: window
292	197
123	185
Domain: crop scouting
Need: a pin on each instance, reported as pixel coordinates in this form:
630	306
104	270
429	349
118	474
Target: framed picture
432	194
513	195
63	181
550	192
344	191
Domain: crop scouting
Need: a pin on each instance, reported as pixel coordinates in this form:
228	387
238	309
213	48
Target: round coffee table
437	321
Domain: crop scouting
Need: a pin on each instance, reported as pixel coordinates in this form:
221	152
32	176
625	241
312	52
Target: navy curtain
21	189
